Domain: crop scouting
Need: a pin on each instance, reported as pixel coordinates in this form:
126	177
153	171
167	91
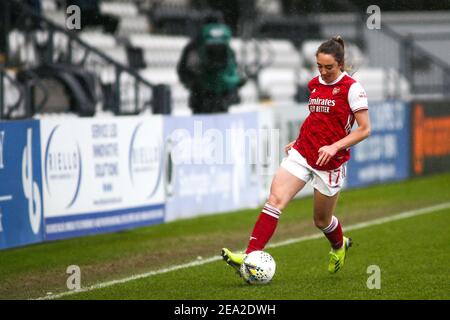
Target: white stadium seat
353	56
382	83
308	50
48	5
280	84
133	25
99	40
119	9
12	95
157	42
160	75
58	17
161	59
248	93
279	53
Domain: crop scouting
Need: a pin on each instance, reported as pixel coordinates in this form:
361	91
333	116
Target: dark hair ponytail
339	40
336	47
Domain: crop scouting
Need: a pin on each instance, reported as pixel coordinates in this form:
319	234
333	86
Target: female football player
319	155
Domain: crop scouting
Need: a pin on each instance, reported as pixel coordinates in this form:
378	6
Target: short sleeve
357	97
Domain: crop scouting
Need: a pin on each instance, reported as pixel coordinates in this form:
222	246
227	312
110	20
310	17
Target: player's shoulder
356	92
352	84
314	81
348	80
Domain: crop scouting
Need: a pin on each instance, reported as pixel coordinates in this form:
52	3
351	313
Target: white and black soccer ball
258	268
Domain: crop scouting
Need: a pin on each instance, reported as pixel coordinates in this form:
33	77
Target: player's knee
277	201
321	223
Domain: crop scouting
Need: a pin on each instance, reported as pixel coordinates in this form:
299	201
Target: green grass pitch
412	254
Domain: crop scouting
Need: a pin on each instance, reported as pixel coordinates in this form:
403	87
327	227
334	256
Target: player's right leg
284	186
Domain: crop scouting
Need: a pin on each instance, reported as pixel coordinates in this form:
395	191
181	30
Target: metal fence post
2	91
405	58
446	83
162	99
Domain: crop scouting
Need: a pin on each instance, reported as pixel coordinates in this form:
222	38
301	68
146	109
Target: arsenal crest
336	90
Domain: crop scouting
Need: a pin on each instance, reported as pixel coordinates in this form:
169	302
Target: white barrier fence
66	177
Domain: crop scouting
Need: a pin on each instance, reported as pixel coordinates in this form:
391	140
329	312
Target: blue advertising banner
384	156
21	205
210	164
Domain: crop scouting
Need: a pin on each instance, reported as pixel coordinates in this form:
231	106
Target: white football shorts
327	182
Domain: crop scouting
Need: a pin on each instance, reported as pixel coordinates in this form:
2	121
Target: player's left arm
361	133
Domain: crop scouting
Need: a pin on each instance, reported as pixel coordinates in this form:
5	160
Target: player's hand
288	147
325	154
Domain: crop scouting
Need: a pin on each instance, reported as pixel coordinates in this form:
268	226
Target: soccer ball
258	268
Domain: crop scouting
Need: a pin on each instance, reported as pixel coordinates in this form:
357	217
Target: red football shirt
332	107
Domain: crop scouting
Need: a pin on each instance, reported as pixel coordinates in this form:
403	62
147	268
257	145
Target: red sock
334	233
264	228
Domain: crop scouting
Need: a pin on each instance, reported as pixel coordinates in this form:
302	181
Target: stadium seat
99	40
285	54
180	98
160	75
133	25
269	7
158	42
279	84
381	83
48	5
120	9
354	56
106	43
161	59
277	53
248	93
14	102
58	17
236	44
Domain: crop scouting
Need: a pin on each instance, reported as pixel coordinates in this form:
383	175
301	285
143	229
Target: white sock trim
334	223
271	211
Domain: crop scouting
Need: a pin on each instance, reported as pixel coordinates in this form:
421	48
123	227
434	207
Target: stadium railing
130	93
426	73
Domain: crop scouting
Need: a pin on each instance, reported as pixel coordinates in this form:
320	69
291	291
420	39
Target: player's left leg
324	207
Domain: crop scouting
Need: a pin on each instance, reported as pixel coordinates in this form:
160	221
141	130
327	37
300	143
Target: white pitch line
139	276
402	215
398	216
6	198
